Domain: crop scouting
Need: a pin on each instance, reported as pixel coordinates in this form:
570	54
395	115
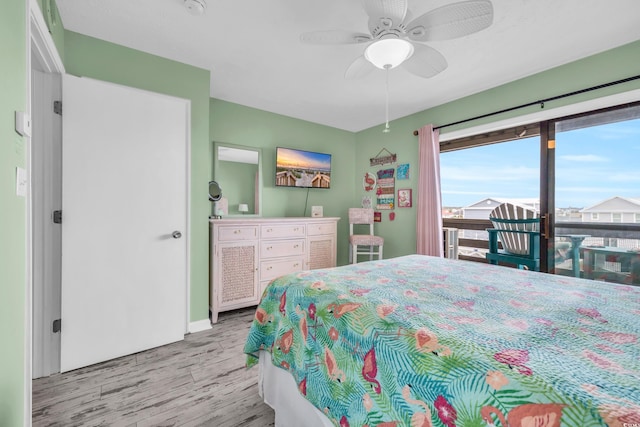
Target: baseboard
200	325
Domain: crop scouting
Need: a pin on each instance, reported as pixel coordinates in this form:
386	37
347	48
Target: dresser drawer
271	269
277	231
280	248
229	233
321	228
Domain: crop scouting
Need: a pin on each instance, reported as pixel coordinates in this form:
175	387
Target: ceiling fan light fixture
388	53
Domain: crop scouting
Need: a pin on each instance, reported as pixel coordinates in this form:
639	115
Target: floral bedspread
423	341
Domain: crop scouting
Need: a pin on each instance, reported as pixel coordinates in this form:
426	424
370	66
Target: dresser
246	254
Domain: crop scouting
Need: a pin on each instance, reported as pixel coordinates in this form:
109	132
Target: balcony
612	250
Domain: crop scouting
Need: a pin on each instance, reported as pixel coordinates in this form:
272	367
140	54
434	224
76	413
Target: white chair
363	244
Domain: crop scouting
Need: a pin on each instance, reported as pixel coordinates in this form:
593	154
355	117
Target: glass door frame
547	194
547	184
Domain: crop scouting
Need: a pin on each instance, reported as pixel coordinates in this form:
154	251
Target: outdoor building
482	208
615	209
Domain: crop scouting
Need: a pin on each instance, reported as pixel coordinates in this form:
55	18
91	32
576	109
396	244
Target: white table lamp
243	207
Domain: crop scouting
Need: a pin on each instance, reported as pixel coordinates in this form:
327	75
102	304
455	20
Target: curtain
429	215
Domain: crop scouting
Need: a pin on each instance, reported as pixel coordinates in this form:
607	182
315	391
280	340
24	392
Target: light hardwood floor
201	381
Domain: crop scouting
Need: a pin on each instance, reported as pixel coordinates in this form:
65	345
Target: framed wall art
404	198
403	171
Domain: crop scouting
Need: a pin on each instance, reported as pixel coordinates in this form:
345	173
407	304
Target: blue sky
291	158
592	164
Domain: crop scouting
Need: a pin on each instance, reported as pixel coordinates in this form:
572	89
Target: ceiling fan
395	37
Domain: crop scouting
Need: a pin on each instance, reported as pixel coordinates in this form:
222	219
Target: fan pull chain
386	127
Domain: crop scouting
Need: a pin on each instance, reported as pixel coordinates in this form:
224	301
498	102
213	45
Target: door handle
176	234
546	223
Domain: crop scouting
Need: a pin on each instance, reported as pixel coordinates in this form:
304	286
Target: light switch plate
23	123
21	182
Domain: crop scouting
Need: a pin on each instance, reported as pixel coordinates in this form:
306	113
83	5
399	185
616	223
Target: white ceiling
254	53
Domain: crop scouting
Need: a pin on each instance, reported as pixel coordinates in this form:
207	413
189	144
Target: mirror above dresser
238	170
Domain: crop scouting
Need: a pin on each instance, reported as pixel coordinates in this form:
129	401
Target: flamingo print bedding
423	341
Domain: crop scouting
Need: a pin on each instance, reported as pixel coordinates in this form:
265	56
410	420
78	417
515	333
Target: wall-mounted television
302	169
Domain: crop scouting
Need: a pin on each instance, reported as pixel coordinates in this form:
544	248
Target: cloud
584	158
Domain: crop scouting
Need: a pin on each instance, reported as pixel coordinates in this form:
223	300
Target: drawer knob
296	264
236	231
269	248
269	268
296	246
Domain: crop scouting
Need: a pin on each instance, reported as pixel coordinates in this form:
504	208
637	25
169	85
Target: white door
124	229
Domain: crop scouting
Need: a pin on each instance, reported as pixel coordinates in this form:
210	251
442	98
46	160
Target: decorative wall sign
382	160
369	181
385	173
366	202
377	217
403	171
404	198
386	189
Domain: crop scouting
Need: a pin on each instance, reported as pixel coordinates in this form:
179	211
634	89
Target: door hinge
57	107
57	217
57	325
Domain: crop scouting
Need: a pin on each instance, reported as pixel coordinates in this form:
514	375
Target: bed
425	341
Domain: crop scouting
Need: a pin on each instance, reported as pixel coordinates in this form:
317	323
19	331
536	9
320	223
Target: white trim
28	311
187	315
42	42
545	114
199	326
40	45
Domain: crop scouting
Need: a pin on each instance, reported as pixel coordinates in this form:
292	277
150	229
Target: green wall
13	87
615	64
90	57
237	124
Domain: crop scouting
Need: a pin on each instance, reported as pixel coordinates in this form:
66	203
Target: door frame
42	48
548	174
46	149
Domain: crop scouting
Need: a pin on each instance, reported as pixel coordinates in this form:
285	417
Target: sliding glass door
581	174
593	194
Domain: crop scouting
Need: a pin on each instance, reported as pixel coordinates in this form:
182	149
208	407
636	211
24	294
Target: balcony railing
473	244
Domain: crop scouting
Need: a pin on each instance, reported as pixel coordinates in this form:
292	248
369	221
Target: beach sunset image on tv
298	168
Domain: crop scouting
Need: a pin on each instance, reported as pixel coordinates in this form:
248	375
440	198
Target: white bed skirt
280	391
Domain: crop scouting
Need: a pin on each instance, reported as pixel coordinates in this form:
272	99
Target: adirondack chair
518	229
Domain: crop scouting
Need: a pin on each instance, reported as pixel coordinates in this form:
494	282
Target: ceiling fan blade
425	62
451	21
334	37
385	14
358	68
